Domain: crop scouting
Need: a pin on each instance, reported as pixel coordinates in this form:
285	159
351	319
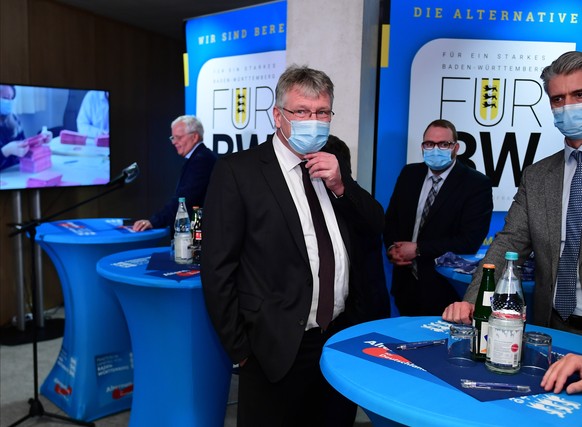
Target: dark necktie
429	199
568	266
325	250
427	204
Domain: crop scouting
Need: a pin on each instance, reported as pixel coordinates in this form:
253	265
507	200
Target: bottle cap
181	199
512	256
490	266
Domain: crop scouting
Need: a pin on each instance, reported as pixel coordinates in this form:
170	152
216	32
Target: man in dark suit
187	138
455	219
264	270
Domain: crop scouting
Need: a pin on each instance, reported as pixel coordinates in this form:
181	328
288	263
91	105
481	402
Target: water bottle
197	233
182	235
483	311
506	322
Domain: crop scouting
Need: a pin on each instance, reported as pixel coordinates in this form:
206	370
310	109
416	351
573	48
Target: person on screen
421	225
187	138
12	144
555	377
93	116
540	213
266	256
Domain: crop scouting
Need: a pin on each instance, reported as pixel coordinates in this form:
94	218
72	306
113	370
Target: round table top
93	231
394	390
149	267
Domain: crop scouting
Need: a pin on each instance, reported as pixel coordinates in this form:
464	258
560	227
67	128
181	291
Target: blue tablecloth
181	372
93	374
397	390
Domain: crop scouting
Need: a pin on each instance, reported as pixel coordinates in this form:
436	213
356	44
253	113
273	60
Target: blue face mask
568	119
307	136
437	159
6	106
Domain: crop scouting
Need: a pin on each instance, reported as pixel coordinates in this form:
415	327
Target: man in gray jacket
537	218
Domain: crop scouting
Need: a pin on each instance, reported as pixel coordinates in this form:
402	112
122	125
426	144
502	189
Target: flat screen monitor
53	137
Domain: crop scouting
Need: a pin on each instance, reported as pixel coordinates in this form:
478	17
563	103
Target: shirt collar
192	150
286	158
444	174
568	152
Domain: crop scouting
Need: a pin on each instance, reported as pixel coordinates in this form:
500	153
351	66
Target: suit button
302	322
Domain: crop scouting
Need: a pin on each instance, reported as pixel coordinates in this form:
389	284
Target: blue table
392	393
460	281
182	374
92	376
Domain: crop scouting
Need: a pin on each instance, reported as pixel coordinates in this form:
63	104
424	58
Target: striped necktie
429	199
568	267
427	204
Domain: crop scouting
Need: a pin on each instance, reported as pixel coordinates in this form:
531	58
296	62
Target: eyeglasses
443	145
179	137
306	114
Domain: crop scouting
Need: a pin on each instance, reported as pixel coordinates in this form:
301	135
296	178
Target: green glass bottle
483	311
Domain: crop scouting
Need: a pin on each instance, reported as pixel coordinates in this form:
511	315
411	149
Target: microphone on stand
127	175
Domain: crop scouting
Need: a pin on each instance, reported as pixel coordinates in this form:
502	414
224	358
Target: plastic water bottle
506	322
182	234
197	233
483	311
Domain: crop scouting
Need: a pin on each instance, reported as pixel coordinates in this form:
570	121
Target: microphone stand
36	408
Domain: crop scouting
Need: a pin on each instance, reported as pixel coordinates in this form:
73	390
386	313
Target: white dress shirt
291	169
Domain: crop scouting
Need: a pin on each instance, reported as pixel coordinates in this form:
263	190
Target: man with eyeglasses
438	206
187	139
545	216
279	273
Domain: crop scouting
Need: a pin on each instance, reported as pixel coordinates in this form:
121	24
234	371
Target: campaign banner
233	62
476	63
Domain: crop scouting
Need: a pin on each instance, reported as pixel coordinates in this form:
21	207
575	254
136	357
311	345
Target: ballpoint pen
484	385
420	344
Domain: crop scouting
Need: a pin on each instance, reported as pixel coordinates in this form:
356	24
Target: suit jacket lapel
411	197
343	227
275	180
447	189
553	185
186	161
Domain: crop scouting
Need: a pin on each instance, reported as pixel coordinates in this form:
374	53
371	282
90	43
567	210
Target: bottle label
182	249
487	295
482	327
198	235
504	345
